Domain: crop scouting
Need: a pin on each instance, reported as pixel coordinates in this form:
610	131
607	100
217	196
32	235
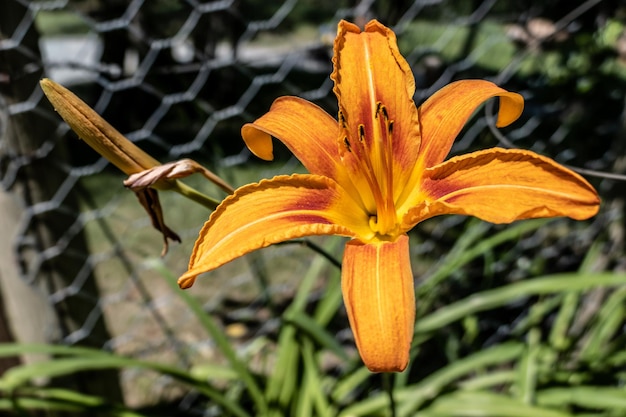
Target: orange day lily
374	174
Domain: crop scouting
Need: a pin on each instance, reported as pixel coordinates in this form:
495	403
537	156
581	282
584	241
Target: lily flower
375	173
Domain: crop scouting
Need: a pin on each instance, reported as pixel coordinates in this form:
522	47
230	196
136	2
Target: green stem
388	387
195	195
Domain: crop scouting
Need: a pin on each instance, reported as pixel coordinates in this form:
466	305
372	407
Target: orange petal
501	186
445	113
378	291
272	211
370	75
307	130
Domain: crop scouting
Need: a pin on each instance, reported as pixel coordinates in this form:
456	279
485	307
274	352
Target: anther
384	110
378	107
346	142
361	133
342	119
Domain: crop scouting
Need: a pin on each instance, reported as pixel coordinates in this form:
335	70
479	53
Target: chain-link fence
79	261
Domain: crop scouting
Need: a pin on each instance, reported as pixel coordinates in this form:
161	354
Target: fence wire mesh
180	77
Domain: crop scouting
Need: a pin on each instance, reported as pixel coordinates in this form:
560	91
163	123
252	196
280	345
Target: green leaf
454	372
331	301
560	328
472	244
527	368
214	372
348	384
313	383
485	404
306	324
499	297
90	359
607	324
16	349
409	399
282	385
489	380
60	399
596	398
218	336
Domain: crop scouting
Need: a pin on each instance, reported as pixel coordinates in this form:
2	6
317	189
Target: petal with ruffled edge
308	132
501	186
378	291
374	86
283	208
445	113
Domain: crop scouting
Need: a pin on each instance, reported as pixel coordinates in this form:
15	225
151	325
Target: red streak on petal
308	218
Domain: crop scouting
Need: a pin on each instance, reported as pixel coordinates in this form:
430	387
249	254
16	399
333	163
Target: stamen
373	157
385	129
384	110
342	120
378	106
358	148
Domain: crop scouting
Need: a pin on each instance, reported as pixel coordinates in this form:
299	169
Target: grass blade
498	297
218	336
595	398
310	327
20	376
485	404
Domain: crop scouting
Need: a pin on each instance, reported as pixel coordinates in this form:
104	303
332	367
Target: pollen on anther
342	119
378	107
361	133
384	111
346	142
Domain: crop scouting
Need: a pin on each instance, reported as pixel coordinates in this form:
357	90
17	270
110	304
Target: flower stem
195	195
388	387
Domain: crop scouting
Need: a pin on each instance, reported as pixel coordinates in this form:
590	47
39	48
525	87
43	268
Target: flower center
369	151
